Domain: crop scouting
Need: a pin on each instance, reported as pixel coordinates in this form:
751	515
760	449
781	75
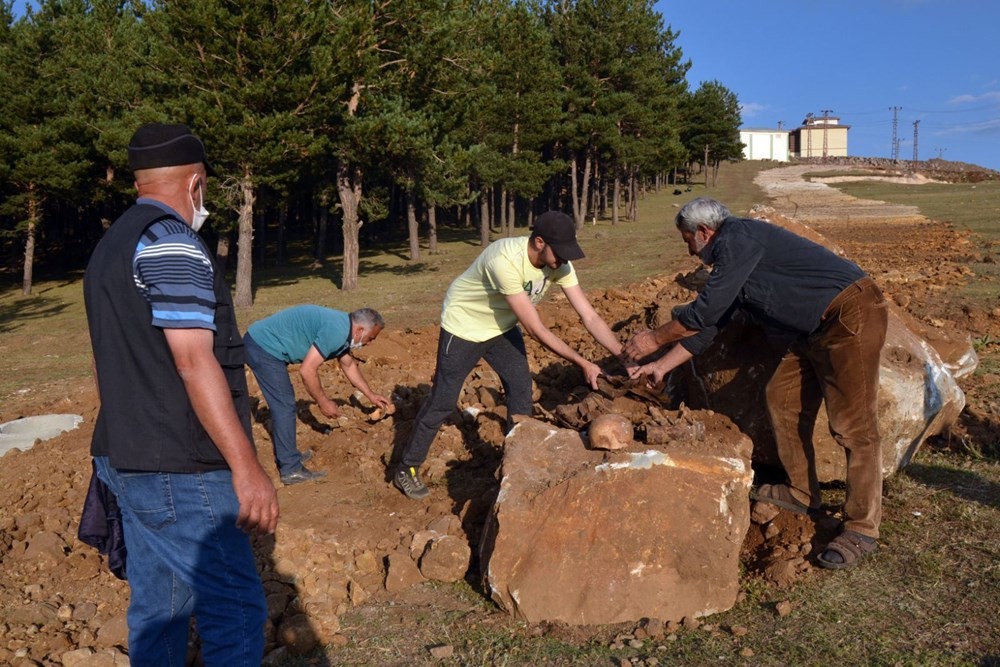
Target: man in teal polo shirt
306	335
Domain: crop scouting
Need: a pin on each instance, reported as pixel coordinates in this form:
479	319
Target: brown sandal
780	496
851	547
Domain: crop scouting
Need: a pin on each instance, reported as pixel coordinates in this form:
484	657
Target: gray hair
367	318
701	212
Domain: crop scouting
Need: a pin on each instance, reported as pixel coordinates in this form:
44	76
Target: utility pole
826	120
915	124
940	151
780	123
895	123
809	134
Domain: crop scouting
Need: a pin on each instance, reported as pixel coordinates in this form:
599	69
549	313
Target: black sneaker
408	481
303	474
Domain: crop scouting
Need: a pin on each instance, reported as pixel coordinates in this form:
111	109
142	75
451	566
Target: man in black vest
172	439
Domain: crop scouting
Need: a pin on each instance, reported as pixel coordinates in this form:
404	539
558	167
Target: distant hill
938	169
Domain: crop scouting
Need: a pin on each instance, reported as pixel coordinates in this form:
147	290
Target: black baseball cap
557	230
157	145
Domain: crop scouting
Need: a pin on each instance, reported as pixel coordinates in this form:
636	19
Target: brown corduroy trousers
838	363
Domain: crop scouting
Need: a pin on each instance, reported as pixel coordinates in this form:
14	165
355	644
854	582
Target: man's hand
653	372
591	372
640	345
380	401
258	500
329	409
631	367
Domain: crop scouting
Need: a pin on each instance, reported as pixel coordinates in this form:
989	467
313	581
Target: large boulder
588	537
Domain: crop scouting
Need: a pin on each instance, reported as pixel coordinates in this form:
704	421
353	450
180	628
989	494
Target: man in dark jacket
172	439
836	317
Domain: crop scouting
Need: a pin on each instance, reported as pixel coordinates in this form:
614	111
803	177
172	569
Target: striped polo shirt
174	273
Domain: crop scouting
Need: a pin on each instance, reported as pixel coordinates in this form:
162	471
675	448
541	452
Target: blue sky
937	59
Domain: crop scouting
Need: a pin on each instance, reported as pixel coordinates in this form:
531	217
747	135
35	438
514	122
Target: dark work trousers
839	364
456	357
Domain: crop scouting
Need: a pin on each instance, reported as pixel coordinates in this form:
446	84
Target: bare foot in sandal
847	550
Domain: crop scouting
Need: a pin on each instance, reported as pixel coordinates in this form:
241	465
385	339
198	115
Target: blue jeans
272	377
187	557
456	357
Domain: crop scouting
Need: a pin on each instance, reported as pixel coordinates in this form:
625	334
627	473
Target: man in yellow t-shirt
480	319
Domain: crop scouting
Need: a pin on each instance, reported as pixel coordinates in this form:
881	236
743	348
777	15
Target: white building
764	144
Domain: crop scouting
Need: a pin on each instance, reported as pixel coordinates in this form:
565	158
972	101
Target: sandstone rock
419	542
401	573
113	632
297	634
276	603
358	595
762	513
366	562
111	657
447	524
445	558
45	548
442	651
76	657
577	538
35	613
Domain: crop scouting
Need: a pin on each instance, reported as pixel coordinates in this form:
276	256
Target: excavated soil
336	536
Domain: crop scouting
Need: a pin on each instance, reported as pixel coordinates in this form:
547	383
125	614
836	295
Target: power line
895	123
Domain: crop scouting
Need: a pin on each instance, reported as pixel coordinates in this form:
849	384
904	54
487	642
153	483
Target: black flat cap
161	145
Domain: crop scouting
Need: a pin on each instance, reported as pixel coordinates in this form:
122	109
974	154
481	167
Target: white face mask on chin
200	212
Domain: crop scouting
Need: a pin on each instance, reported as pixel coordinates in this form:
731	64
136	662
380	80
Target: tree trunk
580	190
321	228
484	218
634	216
244	255
411	224
222	252
616	194
282	233
432	229
349	178
349	191
29	242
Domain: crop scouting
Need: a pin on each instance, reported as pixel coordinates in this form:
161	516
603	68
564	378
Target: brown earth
338	537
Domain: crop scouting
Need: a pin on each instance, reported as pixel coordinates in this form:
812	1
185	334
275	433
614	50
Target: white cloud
993	96
991	126
751	109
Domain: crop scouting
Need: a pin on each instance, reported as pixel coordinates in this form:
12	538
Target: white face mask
200	212
354	345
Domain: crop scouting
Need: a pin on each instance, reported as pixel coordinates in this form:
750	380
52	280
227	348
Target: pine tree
44	150
243	76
